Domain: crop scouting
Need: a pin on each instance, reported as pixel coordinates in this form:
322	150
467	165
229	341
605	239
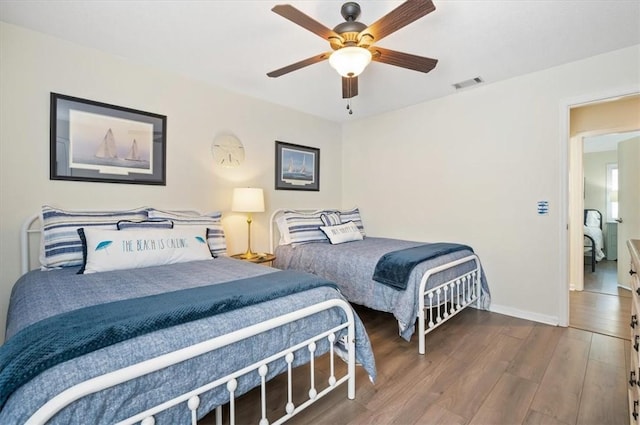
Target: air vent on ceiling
468	83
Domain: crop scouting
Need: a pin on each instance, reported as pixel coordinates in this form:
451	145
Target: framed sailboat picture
297	167
98	142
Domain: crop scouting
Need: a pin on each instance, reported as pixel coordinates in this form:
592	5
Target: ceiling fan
352	41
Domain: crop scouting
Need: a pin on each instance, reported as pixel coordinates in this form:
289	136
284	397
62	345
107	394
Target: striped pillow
216	240
144	224
60	244
330	218
283	229
186	218
304	227
213	222
353	215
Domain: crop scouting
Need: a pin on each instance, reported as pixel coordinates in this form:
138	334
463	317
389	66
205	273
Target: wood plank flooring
604	280
601	313
480	368
603	307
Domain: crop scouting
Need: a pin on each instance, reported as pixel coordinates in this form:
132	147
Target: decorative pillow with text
106	250
341	233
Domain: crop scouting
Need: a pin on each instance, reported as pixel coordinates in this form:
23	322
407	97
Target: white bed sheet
596	234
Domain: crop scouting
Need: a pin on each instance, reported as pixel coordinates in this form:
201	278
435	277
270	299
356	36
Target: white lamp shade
350	61
247	199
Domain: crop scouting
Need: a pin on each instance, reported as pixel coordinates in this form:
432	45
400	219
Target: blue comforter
40	295
351	266
394	268
69	335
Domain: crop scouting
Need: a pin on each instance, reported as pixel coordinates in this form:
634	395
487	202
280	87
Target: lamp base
249	255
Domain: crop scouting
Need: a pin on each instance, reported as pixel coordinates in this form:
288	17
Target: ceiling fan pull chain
349	107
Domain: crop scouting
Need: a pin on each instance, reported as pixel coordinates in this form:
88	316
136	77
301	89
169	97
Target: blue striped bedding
39	295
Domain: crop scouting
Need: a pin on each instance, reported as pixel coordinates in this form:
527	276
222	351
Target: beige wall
32	65
621	115
471	167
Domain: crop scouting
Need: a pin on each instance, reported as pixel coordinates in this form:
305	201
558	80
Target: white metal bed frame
436	305
192	398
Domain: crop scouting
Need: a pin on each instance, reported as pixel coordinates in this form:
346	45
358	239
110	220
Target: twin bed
167	339
435	290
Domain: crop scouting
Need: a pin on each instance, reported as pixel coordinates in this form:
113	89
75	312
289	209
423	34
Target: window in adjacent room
612	191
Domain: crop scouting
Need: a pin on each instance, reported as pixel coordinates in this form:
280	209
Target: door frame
564	222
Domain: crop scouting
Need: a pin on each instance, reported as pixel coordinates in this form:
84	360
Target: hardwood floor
601	313
604	280
480	368
602	307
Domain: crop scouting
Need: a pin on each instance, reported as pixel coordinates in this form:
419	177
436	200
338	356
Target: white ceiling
233	44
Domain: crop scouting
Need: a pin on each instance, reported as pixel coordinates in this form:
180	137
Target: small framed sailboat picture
97	142
297	167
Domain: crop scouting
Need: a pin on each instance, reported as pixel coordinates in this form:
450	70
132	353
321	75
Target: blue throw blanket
63	337
393	268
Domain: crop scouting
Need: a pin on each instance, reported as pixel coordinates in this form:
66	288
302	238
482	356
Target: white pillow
341	233
107	250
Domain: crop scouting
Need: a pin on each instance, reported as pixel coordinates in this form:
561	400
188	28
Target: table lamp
249	200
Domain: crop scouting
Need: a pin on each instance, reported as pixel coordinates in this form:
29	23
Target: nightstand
259	259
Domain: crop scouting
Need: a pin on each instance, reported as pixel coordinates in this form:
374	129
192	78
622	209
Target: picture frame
297	167
97	142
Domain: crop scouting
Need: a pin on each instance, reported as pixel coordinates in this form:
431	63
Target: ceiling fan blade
349	87
295	66
305	21
401	16
403	60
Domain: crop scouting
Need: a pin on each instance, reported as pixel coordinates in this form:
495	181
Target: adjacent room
398	211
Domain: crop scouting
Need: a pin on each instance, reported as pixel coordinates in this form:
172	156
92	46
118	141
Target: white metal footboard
441	303
260	367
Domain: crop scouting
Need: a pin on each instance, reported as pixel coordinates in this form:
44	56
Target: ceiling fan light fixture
350	61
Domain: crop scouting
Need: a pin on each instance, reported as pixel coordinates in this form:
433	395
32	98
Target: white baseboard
521	314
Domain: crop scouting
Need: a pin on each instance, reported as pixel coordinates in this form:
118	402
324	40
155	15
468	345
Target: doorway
600	201
596	302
